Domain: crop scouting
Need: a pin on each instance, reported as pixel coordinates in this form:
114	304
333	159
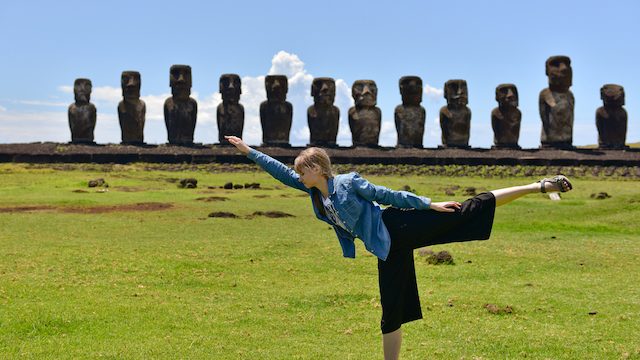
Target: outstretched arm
401	199
275	168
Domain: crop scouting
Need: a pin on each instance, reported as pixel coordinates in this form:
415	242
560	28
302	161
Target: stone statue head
277	87
82	90
130	83
323	90
364	93
507	95
558	69
411	90
612	95
456	93
180	81
230	87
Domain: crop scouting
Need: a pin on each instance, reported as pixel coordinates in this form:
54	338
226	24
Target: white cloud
433	92
20	127
2	108
299	95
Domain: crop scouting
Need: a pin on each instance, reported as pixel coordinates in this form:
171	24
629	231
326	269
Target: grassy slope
175	283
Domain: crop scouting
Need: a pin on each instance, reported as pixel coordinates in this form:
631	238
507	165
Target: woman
349	203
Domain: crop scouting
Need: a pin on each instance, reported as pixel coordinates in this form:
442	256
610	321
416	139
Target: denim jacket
356	201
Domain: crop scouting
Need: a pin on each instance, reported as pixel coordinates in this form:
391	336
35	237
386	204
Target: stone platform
200	154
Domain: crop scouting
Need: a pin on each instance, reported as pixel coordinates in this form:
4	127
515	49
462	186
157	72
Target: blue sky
46	45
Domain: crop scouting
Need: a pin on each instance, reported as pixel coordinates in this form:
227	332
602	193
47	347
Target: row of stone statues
556	104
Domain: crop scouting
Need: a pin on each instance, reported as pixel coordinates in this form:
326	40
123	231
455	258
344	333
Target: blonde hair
311	157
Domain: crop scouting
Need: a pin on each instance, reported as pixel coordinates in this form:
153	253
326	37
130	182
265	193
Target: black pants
411	229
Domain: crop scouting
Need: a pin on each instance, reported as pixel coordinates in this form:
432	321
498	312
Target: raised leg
507	195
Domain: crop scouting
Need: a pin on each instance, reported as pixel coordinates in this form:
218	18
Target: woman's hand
446	206
237	142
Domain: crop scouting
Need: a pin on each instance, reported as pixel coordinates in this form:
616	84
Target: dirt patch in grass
271	214
128	188
151	206
498	310
223	214
212	198
18	209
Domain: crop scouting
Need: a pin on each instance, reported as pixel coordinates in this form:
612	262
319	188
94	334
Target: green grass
177	284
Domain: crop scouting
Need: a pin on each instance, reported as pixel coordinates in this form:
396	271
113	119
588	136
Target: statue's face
82	90
277	87
364	92
180	76
323	91
411	90
558	69
612	95
230	87
507	95
455	91
130	83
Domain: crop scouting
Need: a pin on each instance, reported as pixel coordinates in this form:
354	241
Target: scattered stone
212	198
600	196
223	214
97	183
188	183
496	310
272	214
451	190
593	312
439	258
470	191
252	186
228	185
237	186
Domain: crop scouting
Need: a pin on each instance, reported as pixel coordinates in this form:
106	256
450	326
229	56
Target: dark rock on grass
212	198
252	186
408	188
188	183
497	310
238	186
600	196
451	190
272	214
97	183
439	258
470	191
223	214
228	186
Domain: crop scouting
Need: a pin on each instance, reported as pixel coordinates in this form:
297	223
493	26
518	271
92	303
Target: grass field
140	271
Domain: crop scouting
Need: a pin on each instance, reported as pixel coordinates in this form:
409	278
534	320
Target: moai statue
323	117
276	113
230	113
611	119
556	104
410	116
455	117
82	113
180	110
505	119
365	118
131	110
